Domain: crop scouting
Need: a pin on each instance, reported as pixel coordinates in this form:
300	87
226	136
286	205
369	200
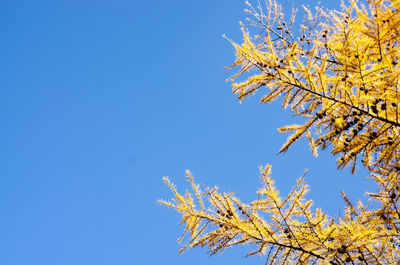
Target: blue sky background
101	99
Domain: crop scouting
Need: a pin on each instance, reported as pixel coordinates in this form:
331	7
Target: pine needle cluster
339	72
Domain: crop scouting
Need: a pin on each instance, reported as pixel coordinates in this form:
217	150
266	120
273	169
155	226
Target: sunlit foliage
339	72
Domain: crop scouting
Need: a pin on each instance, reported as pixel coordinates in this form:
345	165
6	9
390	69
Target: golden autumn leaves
287	230
340	73
334	83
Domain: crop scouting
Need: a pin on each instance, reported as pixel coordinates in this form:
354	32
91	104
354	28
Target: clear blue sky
101	99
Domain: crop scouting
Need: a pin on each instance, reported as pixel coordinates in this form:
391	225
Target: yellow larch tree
339	72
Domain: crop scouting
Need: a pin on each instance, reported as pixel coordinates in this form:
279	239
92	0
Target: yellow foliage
340	73
287	230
